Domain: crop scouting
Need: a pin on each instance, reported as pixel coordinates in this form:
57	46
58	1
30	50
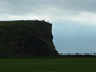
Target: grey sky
53	10
32	6
75	38
74	21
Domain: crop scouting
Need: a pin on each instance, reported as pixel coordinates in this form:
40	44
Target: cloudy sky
74	21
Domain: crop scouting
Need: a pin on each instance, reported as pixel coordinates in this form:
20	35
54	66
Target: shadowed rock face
26	39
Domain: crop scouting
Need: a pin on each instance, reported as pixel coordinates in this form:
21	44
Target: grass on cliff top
21	22
48	65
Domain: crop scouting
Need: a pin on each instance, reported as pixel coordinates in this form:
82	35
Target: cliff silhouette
26	38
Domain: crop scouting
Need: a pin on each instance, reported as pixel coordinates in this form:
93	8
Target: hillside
26	39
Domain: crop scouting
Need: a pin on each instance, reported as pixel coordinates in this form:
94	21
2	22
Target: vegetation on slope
26	39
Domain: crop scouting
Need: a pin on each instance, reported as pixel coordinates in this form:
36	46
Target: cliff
26	39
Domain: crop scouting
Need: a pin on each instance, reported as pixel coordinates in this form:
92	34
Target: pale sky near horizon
73	21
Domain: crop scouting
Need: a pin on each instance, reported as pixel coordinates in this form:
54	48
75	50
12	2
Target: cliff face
26	39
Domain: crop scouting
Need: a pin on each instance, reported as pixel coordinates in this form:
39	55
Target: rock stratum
26	39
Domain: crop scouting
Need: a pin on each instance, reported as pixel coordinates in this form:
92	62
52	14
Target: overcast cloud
74	21
53	10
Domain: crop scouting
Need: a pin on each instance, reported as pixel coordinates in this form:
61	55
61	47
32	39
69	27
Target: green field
48	65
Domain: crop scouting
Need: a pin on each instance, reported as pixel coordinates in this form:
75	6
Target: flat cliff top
20	22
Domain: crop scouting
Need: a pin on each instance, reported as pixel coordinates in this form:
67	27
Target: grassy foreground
48	65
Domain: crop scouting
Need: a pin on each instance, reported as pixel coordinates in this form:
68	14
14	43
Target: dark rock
26	39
